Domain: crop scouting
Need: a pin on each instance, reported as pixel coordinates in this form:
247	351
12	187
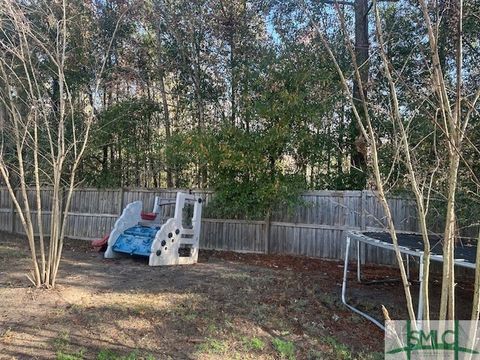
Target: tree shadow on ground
211	310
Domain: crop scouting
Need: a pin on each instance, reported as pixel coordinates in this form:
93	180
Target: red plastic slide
101	244
148	216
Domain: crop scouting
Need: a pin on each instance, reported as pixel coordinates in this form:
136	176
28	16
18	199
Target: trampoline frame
359	237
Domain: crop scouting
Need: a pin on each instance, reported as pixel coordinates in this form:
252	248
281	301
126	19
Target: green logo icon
448	339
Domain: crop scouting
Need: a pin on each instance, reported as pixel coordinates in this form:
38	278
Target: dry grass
217	309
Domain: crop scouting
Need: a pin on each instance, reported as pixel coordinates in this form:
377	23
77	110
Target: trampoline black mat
464	250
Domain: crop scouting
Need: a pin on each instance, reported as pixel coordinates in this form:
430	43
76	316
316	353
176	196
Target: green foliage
184	153
285	349
254	343
106	354
340	350
343	352
64	351
70	356
123	135
247	174
281	97
213	346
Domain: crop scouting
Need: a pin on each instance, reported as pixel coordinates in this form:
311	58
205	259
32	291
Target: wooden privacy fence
316	228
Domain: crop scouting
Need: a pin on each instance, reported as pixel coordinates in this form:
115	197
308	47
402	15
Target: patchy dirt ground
228	306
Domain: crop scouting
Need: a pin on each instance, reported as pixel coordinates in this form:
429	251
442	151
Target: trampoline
410	244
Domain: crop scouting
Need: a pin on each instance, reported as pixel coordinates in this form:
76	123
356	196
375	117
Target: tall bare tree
450	108
46	130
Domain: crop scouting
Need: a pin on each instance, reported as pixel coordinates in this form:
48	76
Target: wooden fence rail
316	228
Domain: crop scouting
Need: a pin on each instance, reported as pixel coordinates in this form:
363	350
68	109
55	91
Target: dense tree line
240	96
191	82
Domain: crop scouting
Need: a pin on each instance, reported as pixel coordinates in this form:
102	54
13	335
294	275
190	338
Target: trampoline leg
359	274
420	291
345	270
344	288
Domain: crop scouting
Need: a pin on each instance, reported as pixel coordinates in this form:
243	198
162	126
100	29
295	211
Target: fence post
12	213
121	199
363	206
63	204
363	227
266	233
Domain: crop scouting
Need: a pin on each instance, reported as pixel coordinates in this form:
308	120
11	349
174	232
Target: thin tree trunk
359	159
408	162
166	115
39	203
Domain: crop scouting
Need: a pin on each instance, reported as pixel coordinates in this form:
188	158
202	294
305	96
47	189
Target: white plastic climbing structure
171	243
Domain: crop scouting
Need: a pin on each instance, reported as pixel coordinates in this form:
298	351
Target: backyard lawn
228	306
